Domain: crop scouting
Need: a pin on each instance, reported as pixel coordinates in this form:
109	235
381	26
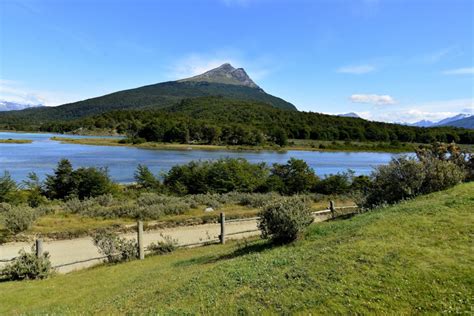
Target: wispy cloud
460	71
357	70
437	56
375	99
14	91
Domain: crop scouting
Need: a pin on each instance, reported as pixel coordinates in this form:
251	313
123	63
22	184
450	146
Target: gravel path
73	250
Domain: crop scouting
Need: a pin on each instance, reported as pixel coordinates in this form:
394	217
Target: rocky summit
225	74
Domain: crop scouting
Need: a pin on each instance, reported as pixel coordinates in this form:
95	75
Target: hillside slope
467	122
415	257
237	86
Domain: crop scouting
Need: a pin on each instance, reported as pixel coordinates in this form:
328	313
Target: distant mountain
224	81
466	122
225	74
450	121
423	123
13	106
447	121
350	114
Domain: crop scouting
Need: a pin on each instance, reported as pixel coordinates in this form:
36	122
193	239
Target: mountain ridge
156	96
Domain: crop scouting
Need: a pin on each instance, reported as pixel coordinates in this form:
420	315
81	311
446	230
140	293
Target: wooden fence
332	211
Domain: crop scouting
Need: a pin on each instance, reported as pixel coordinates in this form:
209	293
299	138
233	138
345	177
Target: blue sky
387	60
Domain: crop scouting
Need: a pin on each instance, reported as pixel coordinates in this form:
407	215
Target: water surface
43	154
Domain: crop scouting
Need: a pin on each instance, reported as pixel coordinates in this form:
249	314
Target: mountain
225	74
466	122
450	121
423	123
350	114
13	106
447	121
225	81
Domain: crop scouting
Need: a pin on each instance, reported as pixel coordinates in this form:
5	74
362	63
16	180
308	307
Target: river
43	154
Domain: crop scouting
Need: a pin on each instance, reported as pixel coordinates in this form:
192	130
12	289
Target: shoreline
177	146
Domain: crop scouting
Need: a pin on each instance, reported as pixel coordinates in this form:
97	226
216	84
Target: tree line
218	120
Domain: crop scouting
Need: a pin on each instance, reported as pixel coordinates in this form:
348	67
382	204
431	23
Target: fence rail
220	238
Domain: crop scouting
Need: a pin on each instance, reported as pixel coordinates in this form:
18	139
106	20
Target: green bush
116	249
221	176
406	177
82	183
27	267
283	221
293	177
19	218
167	245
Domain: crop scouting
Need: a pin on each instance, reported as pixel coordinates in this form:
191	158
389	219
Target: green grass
415	257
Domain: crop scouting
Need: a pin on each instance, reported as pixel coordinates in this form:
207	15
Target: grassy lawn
415	257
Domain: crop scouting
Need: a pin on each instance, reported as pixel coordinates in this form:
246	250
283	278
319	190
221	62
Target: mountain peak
225	74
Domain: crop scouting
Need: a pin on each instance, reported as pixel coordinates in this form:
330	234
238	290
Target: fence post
39	248
332	208
222	235
141	253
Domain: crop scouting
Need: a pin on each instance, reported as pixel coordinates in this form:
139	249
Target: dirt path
73	250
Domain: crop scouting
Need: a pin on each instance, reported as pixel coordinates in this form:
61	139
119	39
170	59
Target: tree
145	178
7	187
34	186
60	185
294	177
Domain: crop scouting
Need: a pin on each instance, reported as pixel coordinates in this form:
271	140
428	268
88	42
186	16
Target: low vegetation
234	185
27	266
15	141
411	258
283	221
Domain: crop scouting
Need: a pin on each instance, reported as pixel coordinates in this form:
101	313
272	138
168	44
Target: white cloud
432	111
460	71
372	99
357	70
15	91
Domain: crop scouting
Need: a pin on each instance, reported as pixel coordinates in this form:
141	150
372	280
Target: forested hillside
221	120
149	97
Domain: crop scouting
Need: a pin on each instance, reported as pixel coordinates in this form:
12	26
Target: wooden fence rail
220	239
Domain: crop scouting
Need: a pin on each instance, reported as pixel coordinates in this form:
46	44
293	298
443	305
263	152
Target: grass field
415	257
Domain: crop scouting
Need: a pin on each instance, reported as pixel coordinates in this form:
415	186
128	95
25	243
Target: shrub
339	183
104	200
19	218
167	245
5	207
27	267
283	221
116	249
293	177
221	176
83	182
85	207
440	175
406	177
